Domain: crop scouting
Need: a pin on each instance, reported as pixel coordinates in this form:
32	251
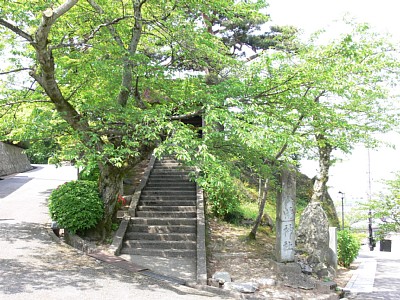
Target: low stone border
201	262
143	182
116	245
78	243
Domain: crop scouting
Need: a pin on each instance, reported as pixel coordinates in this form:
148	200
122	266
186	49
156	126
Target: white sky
351	175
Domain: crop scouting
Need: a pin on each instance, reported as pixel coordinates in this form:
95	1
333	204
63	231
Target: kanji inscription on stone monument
285	216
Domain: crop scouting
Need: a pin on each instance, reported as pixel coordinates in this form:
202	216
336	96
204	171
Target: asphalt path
378	276
33	265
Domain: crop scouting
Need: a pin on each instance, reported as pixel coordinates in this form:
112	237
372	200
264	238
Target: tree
325	97
113	80
386	207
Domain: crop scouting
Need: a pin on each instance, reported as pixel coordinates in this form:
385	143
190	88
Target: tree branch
25	101
48	19
16	30
111	28
15	71
46	78
92	34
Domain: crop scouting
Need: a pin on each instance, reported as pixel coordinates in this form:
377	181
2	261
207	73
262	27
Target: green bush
348	248
220	189
76	205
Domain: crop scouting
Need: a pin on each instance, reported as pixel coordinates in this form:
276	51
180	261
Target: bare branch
15	71
112	30
92	34
16	30
25	101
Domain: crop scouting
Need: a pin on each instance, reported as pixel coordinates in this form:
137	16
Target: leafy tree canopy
109	81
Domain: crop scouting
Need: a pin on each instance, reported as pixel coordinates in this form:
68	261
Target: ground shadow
32	261
11	184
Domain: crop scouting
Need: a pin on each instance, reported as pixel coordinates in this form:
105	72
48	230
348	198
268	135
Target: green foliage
220	188
386	207
348	247
122	77
90	174
76	205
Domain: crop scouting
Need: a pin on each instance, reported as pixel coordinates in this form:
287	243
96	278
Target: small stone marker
285	216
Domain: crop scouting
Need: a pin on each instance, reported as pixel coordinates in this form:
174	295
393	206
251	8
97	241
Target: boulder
313	240
222	277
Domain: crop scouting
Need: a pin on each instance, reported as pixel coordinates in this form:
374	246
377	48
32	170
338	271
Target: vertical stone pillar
333	245
285	215
333	239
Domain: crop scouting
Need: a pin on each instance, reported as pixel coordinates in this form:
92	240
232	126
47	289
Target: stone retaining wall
12	160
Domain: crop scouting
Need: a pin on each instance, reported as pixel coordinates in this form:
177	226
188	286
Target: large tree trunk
324	151
110	185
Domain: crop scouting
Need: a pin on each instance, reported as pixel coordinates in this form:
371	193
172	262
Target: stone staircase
165	218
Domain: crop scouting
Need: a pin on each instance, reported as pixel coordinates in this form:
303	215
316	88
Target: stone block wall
12	160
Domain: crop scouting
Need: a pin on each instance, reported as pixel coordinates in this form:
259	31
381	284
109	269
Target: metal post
370	231
342	209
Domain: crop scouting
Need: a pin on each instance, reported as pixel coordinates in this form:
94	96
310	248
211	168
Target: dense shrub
220	189
76	205
348	247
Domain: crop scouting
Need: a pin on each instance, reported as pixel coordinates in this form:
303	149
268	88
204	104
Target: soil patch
246	260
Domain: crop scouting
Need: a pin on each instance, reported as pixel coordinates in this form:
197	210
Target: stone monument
285	216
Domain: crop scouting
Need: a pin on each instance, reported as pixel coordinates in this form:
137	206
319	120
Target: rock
313	239
264	282
266	220
222	277
298	282
285	268
245	287
331	258
328	272
313	230
213	282
306	268
325	287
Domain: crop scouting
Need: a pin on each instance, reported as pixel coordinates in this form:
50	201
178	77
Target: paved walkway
378	276
35	266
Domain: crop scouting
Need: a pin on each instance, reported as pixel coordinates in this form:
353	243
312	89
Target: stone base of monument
291	275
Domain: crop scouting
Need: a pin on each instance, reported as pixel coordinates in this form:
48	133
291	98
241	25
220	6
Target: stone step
170	187
148	202
159	252
163	214
164	221
163	228
167	161
167	181
131	235
162	171
171	208
170	197
165	192
167	164
154	244
170	177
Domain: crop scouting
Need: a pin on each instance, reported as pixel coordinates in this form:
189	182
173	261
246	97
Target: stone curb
118	238
201	261
138	191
